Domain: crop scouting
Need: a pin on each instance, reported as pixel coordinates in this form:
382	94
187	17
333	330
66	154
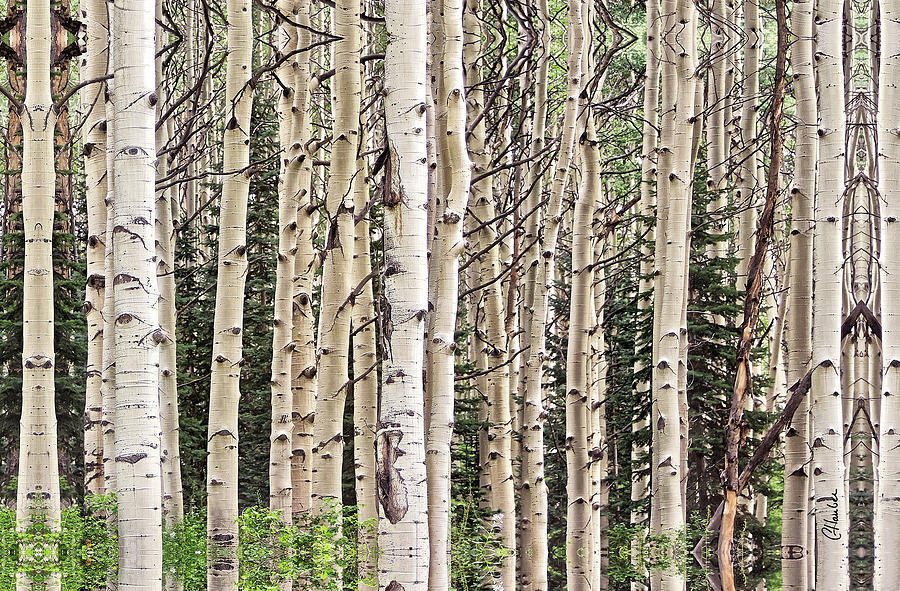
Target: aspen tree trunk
831	522
136	320
533	495
673	213
716	138
281	434
108	369
400	438
578	397
94	65
794	550
748	168
37	495
306	262
496	444
535	413
365	390
887	510
334	319
640	482
228	322
447	245
172	500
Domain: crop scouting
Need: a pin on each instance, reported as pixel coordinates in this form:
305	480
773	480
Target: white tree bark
447	245
37	495
400	439
831	525
94	65
887	510
228	322
137	330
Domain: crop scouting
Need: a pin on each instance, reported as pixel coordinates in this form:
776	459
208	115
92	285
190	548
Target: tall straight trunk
228	321
400	438
578	397
716	138
94	65
335	312
748	159
794	550
494	348
673	213
173	498
447	245
306	262
37	495
365	390
282	424
136	320
831	507
887	510
640	483
542	260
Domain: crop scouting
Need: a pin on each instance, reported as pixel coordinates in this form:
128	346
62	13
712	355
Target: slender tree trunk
306	262
447	245
365	390
281	433
578	397
173	502
673	213
335	312
831	522
794	550
94	65
136	320
887	510
400	439
227	354
37	497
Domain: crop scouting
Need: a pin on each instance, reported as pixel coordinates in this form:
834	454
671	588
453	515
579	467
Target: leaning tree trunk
137	330
400	438
447	245
228	322
887	516
335	312
94	65
827	436
794	554
37	498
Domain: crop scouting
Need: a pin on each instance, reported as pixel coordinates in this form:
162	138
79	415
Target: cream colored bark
306	262
747	156
400	454
579	542
831	533
282	424
887	506
447	245
640	483
365	390
37	497
794	550
94	65
495	450
673	213
716	139
137	329
228	322
172	500
335	312
541	258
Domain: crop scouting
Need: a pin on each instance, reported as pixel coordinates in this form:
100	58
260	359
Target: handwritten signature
830	526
